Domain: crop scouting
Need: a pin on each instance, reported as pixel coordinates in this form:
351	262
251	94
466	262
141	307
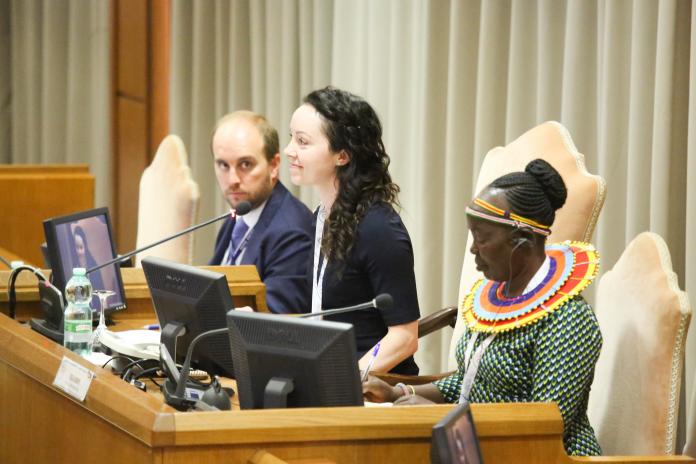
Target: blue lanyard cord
240	248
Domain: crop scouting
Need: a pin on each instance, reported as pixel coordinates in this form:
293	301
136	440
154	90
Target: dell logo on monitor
283	335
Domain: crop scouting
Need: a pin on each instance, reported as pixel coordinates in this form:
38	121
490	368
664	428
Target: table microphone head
384	301
242	208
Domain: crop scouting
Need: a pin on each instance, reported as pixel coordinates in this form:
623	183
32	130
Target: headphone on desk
12	294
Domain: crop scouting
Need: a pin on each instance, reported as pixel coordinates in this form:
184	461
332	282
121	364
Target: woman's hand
412	399
379	391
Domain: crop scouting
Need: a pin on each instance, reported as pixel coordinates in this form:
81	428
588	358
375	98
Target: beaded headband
495	214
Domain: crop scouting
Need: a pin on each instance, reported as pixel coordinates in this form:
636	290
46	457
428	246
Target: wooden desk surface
118	423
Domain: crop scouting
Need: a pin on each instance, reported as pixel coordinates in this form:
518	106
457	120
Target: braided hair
352	125
535	193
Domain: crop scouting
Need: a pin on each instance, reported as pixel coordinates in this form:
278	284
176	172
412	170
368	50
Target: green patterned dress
552	359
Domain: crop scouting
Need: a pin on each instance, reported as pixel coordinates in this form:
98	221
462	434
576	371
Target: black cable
113	358
6	262
128	367
134	363
147	372
11	292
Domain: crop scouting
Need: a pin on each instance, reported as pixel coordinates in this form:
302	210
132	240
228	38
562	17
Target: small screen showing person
463	445
86	243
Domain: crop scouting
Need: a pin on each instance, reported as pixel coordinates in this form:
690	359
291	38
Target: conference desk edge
245	286
157	426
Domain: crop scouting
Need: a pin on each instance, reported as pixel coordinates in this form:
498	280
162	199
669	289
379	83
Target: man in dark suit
276	235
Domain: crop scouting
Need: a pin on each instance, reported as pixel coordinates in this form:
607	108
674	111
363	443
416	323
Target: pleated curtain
451	80
55	85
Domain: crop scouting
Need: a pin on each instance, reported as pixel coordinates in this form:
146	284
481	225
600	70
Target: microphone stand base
193	394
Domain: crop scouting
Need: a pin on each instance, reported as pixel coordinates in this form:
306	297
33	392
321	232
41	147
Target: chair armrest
437	320
393	379
426	325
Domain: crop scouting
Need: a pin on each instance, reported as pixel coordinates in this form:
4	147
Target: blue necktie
238	231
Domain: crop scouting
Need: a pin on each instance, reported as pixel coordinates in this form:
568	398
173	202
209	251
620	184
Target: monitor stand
275	396
170	333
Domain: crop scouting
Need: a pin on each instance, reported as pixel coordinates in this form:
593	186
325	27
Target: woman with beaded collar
530	336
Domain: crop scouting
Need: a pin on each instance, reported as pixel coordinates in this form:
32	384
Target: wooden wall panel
32	193
161	60
140	75
130	157
132	50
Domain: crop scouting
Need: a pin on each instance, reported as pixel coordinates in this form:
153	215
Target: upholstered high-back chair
644	317
168	203
690	446
577	219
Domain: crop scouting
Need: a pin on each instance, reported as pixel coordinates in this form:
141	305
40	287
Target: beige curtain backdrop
451	80
54	85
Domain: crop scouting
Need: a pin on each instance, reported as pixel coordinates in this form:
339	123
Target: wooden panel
32	193
160	35
131	160
40	410
141	60
119	423
131	49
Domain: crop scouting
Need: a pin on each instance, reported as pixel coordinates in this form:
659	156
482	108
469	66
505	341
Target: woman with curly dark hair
362	248
82	257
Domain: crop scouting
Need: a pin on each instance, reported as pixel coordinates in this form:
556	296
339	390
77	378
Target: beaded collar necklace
573	266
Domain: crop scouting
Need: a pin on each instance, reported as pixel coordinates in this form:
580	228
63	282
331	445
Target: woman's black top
381	261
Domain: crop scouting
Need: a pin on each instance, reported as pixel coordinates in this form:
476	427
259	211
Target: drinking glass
95	339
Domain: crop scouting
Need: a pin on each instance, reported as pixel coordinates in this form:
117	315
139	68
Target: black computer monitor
85	239
454	439
283	361
195	300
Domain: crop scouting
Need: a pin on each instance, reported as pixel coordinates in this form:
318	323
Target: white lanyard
471	364
318	282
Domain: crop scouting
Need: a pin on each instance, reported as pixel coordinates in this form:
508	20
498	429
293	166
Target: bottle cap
79	271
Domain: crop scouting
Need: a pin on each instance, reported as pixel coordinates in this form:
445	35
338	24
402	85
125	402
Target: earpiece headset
525	238
522	241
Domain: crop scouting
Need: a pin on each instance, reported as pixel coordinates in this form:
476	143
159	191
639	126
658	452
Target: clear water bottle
77	319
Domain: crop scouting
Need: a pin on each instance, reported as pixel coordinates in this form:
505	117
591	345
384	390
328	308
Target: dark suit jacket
280	246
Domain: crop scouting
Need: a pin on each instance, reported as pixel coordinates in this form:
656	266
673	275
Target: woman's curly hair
352	125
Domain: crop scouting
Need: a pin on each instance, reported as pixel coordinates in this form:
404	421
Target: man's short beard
258	199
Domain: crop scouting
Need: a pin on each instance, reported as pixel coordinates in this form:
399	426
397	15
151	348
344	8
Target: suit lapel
222	242
253	247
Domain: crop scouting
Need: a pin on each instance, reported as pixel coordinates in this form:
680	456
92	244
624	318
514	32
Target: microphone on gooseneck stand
176	390
242	208
381	301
